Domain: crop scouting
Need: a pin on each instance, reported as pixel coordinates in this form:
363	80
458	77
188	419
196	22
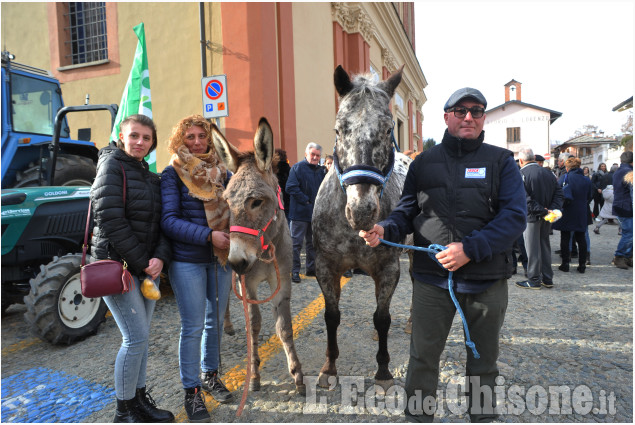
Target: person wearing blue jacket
468	196
302	187
623	209
575	214
195	217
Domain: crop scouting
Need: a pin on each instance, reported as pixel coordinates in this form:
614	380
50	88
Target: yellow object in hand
553	216
150	290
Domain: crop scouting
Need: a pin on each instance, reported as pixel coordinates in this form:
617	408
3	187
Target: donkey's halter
260	233
362	173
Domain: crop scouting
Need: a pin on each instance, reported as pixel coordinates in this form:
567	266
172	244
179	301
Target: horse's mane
366	84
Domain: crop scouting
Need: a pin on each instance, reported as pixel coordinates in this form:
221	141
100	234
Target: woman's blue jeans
133	314
195	288
625	245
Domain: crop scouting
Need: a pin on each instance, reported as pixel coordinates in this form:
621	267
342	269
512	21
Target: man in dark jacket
543	196
283	175
304	181
560	169
623	209
468	196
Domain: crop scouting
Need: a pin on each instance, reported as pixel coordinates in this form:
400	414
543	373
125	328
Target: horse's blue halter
356	174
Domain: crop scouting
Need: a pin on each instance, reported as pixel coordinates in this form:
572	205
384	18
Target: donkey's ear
225	150
390	85
263	145
342	81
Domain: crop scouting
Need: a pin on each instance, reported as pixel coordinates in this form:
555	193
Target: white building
592	150
516	124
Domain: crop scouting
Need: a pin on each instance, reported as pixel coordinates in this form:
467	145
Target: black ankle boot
195	406
149	408
129	411
564	267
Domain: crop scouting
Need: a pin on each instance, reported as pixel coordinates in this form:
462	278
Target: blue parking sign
215	101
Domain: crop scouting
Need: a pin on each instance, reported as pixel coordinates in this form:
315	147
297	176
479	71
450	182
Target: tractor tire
57	311
70	170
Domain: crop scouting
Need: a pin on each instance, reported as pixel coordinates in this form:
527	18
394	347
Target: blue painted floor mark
45	395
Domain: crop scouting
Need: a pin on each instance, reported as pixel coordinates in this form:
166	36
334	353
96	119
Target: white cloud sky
572	57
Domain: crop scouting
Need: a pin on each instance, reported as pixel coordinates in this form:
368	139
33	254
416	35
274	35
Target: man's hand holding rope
451	258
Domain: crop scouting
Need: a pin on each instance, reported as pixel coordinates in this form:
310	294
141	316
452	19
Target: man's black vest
457	193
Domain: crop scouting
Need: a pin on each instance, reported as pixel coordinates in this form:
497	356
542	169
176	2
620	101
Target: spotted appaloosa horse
252	194
364	144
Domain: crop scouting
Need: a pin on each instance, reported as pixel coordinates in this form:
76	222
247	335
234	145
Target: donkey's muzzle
241	256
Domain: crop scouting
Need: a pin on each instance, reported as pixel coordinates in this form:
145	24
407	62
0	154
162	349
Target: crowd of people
181	220
583	188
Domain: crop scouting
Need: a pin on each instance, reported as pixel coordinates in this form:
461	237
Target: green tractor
44	216
42	233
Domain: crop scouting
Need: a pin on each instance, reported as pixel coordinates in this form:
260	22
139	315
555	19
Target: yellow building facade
279	60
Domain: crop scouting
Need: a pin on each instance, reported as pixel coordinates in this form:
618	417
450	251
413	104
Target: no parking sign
215	103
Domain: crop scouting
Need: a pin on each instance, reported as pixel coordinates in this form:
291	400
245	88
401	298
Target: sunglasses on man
461	112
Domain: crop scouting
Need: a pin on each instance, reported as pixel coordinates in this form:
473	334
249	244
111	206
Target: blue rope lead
432	250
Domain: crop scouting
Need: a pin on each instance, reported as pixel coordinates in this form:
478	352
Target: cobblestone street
577	335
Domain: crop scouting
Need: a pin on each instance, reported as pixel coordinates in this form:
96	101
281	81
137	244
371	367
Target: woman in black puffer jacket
131	232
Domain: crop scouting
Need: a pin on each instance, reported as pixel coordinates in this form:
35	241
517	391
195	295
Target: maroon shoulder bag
104	277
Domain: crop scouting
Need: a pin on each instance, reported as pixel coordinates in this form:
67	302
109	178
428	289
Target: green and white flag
136	96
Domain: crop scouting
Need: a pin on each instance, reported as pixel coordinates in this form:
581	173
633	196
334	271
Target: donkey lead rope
432	250
245	301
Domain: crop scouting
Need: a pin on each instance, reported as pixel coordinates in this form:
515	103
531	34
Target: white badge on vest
475	173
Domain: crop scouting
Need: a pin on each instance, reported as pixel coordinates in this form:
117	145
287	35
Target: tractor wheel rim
76	310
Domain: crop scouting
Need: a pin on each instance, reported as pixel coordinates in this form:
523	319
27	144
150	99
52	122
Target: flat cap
540	158
461	94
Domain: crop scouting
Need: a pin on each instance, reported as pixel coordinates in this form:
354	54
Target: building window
400	141
513	134
399	101
374	73
86	31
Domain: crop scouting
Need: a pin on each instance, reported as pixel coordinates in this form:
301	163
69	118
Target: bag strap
85	245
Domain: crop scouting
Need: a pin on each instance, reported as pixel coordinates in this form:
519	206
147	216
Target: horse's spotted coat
363	128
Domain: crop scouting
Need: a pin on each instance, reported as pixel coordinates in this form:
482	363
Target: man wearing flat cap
467	196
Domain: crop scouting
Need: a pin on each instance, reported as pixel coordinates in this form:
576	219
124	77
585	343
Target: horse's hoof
254	385
301	388
382	386
230	330
327	381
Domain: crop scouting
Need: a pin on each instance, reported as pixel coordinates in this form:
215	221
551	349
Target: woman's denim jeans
133	314
625	245
195	289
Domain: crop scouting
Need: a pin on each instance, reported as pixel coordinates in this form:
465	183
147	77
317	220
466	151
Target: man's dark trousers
538	248
301	231
432	314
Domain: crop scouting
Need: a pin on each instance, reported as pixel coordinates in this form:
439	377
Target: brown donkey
254	203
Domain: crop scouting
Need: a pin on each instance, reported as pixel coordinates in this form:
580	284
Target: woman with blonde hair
575	213
196	219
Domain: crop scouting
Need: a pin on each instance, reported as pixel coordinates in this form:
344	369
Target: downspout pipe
201	19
